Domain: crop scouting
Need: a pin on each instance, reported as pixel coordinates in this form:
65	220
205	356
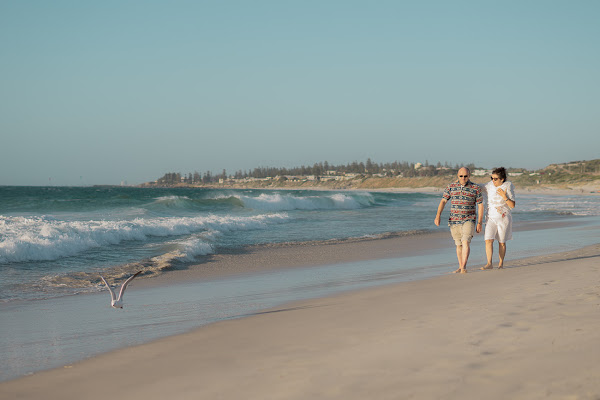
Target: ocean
55	242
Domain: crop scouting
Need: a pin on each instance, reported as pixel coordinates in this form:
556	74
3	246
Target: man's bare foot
500	266
460	270
487	266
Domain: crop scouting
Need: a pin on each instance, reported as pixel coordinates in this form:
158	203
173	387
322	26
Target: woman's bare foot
460	270
500	266
487	266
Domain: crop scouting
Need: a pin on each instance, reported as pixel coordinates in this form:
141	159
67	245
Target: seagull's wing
124	286
112	294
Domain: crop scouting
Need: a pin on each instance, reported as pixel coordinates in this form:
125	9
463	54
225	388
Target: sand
526	332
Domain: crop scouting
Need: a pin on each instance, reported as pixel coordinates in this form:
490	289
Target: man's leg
456	232
466	250
489	252
459	255
462	235
501	253
462	253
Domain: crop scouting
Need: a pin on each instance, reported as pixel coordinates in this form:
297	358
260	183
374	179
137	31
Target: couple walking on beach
466	214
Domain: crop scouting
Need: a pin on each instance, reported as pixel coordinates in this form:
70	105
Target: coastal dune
528	331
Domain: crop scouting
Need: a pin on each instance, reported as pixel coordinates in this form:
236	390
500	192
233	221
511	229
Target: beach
527	331
290	294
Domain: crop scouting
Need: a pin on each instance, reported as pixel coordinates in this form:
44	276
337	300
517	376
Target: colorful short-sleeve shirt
463	201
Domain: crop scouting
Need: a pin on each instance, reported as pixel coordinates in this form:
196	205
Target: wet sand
263	258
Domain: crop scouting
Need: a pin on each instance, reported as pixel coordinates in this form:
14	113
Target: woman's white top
497	208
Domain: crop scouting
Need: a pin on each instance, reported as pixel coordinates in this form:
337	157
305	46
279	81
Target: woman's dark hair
501	172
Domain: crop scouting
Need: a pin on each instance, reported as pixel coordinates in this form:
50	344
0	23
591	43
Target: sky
111	92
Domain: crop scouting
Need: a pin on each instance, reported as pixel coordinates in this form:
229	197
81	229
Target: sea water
56	241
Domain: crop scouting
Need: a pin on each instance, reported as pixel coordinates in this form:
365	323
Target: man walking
464	196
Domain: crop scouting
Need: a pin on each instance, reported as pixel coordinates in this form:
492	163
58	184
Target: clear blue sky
100	92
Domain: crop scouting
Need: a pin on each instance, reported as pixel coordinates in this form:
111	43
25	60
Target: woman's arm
510	203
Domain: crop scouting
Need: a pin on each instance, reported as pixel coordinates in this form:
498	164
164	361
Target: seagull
117	302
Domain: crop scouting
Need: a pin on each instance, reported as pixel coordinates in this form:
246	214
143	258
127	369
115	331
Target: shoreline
524	332
265	258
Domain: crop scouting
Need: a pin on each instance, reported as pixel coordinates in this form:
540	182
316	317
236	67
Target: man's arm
439	211
479	217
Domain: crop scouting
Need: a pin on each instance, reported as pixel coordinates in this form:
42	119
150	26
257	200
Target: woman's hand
502	193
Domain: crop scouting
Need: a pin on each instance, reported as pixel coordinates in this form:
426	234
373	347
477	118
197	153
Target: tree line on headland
372	174
393	169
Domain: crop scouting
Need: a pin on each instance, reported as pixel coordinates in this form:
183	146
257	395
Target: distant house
481	172
329	178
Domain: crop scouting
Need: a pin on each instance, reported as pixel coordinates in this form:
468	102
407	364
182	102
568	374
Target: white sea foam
193	247
561	205
169	198
289	202
43	238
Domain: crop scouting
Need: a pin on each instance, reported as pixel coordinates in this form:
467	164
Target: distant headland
582	176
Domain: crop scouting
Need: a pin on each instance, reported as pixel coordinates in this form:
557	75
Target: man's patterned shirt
463	200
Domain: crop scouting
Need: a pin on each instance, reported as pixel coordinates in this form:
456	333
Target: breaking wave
45	238
289	202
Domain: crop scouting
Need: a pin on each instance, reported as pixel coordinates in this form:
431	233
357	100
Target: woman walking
498	226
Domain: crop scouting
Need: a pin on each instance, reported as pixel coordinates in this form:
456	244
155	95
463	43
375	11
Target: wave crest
43	238
289	202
